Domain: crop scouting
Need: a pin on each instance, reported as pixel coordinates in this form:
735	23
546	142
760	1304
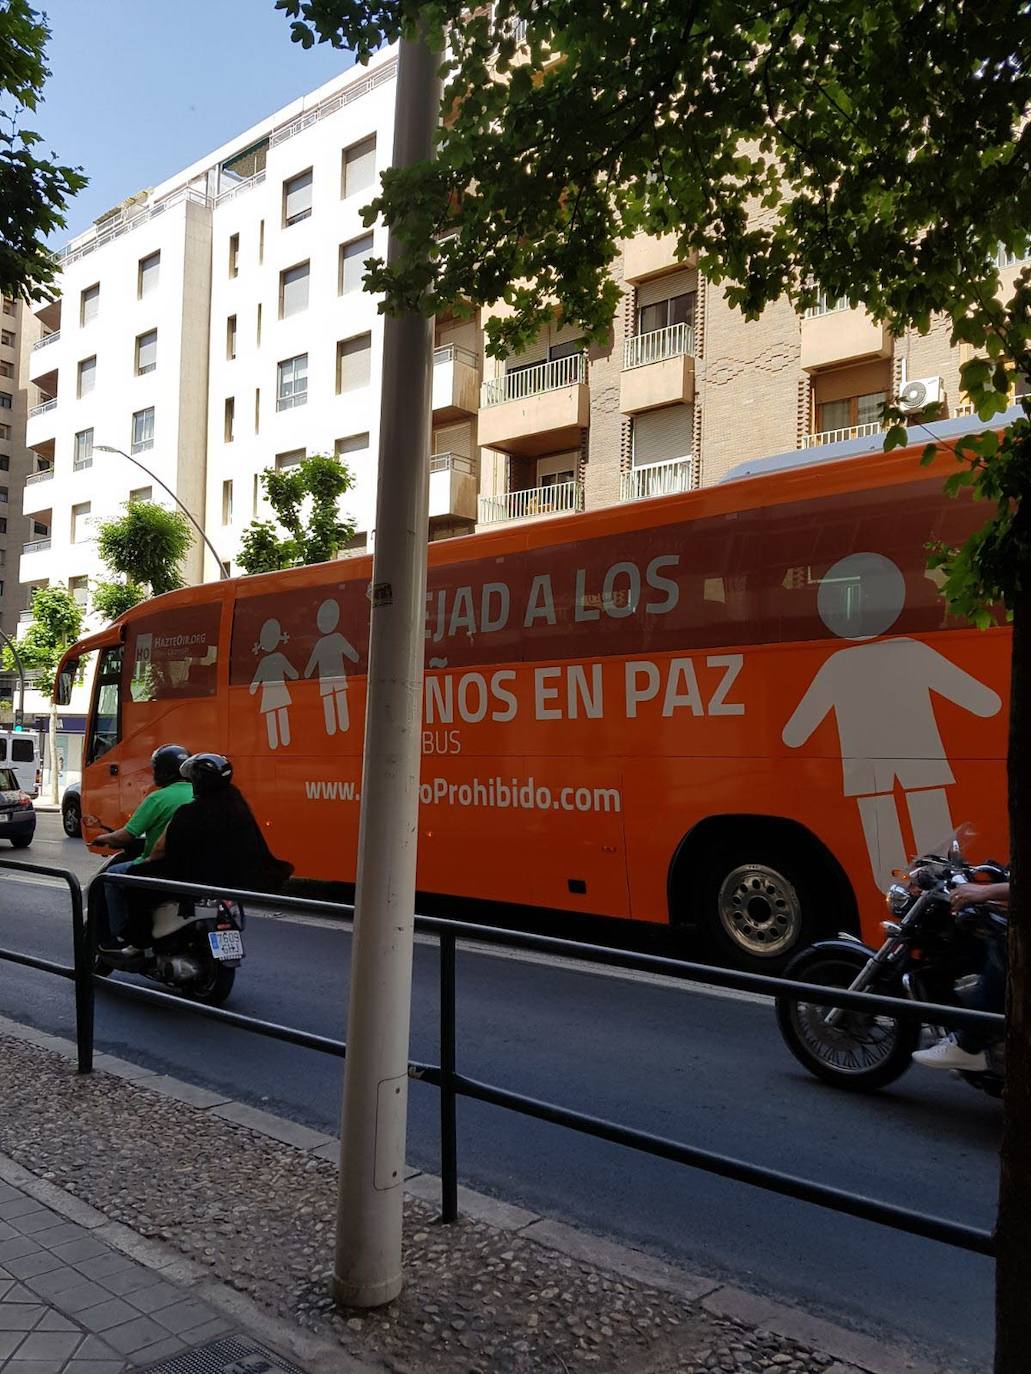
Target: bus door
103	805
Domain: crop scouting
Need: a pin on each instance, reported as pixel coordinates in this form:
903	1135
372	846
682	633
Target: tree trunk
55	794
1013	1228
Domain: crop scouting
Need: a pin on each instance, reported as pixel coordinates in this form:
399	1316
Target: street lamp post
110	448
20	716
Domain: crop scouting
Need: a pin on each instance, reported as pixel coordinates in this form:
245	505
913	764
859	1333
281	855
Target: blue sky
140	88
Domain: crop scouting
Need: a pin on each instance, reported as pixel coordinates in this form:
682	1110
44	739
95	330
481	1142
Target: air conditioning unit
921	393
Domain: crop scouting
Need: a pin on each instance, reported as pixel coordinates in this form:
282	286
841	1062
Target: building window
6	369
4	496
663	314
89	304
289	460
257	408
354	443
5	400
850	412
234	255
79	588
256	494
231	337
352	263
229	419
354	363
87	376
82	456
293	290
8	305
141	494
297	198
5	431
148	275
3	524
5	462
143	430
7	338
227	502
261	243
292	387
358	171
146	352
257	328
80	520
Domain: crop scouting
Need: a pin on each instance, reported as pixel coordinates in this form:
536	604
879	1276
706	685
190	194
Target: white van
20	751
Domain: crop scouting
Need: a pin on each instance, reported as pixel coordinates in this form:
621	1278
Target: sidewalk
150	1169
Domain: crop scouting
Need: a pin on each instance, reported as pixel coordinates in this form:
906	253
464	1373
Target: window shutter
454	439
352	260
150	269
295	289
297	197
148	354
359	166
354	363
660	435
665	288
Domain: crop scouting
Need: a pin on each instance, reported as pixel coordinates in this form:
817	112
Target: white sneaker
947	1054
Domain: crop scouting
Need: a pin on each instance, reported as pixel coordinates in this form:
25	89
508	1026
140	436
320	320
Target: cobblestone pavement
258	1215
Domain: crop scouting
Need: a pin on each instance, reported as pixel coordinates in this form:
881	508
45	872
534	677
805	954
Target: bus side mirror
66	681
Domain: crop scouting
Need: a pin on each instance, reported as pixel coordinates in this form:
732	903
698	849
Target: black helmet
166	763
208	772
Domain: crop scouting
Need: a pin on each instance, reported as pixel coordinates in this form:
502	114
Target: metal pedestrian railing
454	1084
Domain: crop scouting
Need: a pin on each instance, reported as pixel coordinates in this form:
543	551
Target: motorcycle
929	954
194	946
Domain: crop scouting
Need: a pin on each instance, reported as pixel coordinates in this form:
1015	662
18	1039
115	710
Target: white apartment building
211	327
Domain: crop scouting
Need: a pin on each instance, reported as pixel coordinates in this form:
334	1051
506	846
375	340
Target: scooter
194	946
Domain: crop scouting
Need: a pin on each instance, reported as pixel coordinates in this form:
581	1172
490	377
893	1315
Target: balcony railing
46	339
964	408
43	407
534	381
44	475
657	479
826	305
835	436
1006	257
125	223
36	546
455	353
241	187
658	345
559	499
333	103
451	462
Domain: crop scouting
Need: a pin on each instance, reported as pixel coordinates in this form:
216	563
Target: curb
854	1352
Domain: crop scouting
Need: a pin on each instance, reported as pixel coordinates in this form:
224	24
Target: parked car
71	810
17	814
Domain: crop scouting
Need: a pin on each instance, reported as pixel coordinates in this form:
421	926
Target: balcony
456	383
536	410
35	560
649	255
36	545
43	408
39	493
837	436
835	333
657	479
452	486
658	369
563	498
46	340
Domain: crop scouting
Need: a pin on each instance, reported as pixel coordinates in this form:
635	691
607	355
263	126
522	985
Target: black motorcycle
191	946
930	954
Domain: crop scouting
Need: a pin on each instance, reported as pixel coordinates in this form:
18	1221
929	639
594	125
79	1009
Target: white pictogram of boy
880	692
270	675
327	659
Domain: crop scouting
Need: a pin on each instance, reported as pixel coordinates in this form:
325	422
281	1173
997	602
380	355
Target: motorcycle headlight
899	898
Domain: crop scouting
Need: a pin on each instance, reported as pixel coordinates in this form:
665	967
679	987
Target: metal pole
368	1238
82	945
110	448
448	1096
20	719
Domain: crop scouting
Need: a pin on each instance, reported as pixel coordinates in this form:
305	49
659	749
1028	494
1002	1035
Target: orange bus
741	706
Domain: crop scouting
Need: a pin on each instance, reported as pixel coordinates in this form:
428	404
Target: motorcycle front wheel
862	1052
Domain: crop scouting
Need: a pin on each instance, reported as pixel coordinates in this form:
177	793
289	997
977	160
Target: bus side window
106	725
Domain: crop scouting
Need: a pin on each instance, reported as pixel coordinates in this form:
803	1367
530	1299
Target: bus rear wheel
757	906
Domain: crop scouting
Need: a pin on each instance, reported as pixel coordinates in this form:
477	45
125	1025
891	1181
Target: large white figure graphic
327	659
270	675
880	692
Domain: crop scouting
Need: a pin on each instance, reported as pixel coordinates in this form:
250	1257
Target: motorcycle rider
965	1049
213	840
147	823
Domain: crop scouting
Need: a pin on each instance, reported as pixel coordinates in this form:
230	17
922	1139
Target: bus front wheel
757	906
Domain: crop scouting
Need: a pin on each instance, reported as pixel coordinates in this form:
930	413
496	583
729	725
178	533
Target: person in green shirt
147	823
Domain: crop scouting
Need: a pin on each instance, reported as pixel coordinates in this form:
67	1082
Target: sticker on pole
381	594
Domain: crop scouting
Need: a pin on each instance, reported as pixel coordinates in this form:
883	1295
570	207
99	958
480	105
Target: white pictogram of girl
880	692
327	658
270	675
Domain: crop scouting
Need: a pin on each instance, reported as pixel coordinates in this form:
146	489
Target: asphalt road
698	1067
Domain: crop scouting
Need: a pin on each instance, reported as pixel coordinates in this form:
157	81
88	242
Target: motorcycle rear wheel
216	987
862	1053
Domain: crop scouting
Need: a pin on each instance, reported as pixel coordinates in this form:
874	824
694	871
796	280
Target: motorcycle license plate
226	944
